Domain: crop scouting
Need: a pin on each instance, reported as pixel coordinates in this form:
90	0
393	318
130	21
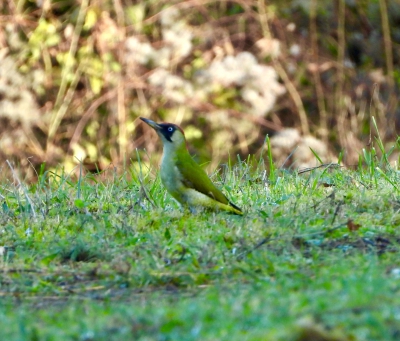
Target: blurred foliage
229	72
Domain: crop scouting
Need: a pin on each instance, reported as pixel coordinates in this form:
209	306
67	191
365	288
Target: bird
183	178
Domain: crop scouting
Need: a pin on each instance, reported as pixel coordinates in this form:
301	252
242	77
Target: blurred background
76	75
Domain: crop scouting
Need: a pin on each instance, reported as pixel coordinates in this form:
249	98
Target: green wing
192	172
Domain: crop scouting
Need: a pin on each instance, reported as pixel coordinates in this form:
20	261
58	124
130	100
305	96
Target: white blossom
259	83
295	50
169	16
140	52
173	87
17	101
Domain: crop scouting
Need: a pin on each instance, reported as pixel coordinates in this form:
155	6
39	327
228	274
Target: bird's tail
237	210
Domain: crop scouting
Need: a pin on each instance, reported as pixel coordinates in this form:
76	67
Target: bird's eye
170	129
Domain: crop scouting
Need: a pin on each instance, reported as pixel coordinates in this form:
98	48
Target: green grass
93	259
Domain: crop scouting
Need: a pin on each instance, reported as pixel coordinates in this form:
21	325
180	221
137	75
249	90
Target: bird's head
172	136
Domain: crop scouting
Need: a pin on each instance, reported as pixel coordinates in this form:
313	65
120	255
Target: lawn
113	257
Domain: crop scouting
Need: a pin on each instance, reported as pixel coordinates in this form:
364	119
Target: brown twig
325	165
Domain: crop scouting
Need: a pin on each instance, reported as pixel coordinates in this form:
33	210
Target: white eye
170	129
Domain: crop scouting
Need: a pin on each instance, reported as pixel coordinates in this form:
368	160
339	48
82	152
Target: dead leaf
310	330
352	226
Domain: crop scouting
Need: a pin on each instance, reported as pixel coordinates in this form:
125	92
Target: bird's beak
151	123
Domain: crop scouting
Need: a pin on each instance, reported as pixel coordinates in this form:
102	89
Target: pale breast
172	179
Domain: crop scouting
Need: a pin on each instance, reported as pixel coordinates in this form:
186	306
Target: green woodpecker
182	176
